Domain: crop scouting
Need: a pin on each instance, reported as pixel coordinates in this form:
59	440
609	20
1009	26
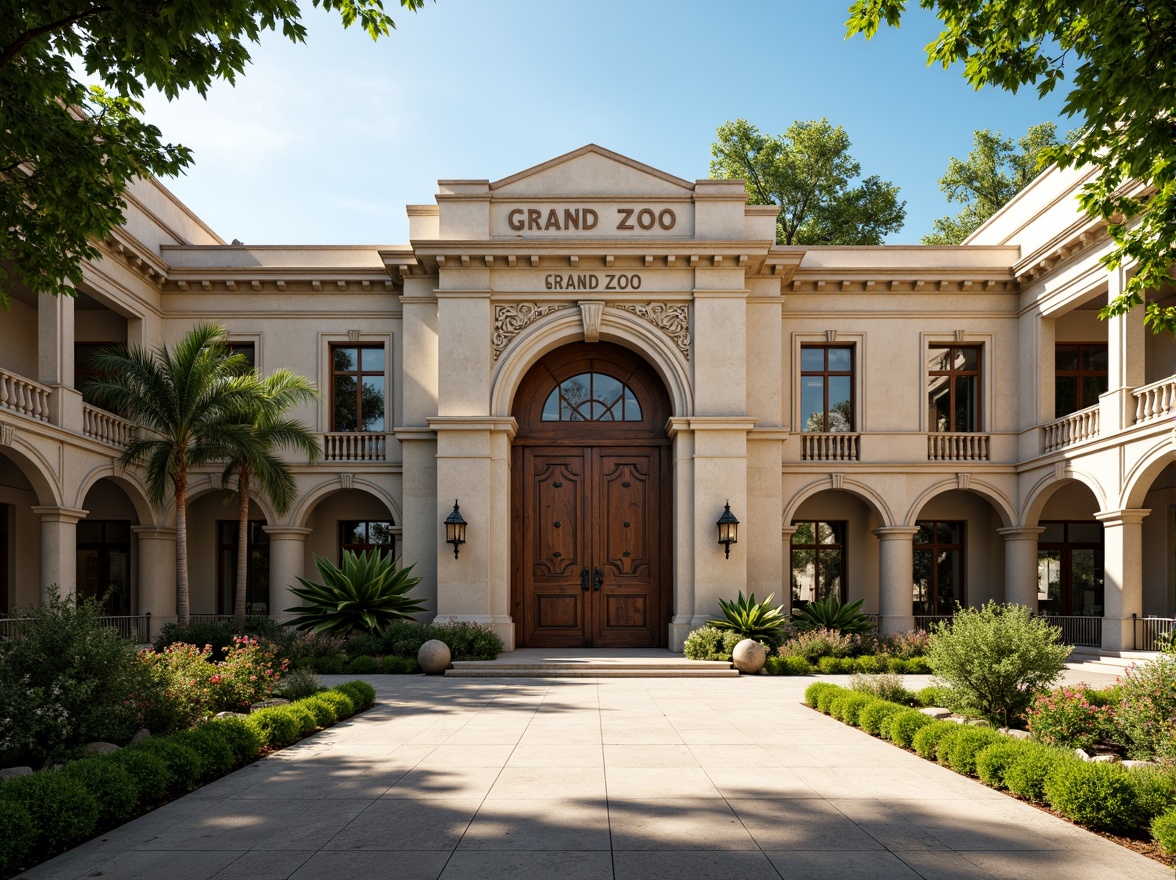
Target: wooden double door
592	545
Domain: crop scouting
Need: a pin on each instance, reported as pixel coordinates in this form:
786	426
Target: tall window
1080	375
1070	568
104	563
818	561
939	567
256	571
359	536
953	388
357	388
826	388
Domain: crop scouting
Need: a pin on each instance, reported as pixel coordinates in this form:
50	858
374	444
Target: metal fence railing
136	627
1083	631
924	622
1149	631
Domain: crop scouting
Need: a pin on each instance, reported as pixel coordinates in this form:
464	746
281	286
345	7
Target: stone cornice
281	280
121	246
902	280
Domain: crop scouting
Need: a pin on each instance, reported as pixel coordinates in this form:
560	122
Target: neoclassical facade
594	359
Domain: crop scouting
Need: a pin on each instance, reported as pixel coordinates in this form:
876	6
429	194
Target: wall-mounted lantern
455	529
728	529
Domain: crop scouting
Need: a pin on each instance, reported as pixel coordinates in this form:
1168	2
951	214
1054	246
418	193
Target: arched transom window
591	397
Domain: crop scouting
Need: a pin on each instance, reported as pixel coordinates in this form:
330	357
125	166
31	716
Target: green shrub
826	699
916	666
926	739
1163	829
814	691
885	687
852	706
944	743
791	665
362	694
322	665
835	665
1099	796
994	759
466	640
1067	717
217	633
710	643
749	619
966	745
274	727
870	718
62	810
933	696
149	772
364	644
996	660
297	684
363	666
399	665
185	764
871	664
1155	789
365	593
213	748
832	613
904	646
241	739
1146	714
814	644
112	786
904	725
884	723
306	719
836	704
1026	775
19	836
342	704
323	711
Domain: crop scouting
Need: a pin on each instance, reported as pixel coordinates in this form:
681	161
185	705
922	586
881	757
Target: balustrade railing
957	447
1085	631
835	446
24	396
358	446
105	427
1070	429
1155	401
1153	633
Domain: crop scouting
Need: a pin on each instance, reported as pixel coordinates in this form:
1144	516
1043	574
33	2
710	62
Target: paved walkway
620	778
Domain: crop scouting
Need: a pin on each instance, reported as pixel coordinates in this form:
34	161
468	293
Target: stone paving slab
606	778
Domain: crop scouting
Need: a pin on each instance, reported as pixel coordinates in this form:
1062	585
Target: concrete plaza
609	778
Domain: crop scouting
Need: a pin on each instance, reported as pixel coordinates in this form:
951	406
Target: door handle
598	579
584	580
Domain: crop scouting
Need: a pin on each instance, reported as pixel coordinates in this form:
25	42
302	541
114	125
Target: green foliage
220	635
1155	791
1111	53
399	665
306	720
211	747
870	718
1099	796
466	640
871	664
323	711
298	646
1027	774
185	764
910	666
113	788
362	694
19	836
150	773
851	707
240	737
343	705
1068	717
275	728
322	665
808	173
363	666
297	684
993	173
1146	714
826	699
710	643
836	665
814	644
886	687
366	593
751	620
364	644
66	680
833	614
790	665
994	759
813	692
904	725
905	646
926	740
965	745
62	810
1163	829
932	696
996	660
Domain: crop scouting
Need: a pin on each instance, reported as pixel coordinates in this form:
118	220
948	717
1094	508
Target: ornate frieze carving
510	321
672	320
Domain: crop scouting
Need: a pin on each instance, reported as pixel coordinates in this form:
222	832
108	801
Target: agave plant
752	620
367	593
832	613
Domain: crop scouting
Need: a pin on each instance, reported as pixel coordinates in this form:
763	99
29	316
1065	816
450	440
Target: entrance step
589	663
1108	662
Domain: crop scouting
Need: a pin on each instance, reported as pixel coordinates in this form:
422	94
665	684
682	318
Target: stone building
594	358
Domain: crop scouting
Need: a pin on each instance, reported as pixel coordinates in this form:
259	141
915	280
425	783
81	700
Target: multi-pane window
818	560
1070	568
256	567
939	567
1080	375
826	388
104	563
591	397
953	388
357	388
359	536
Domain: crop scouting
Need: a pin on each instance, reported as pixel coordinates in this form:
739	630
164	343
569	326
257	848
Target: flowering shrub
817	643
1067	717
905	646
246	676
1146	714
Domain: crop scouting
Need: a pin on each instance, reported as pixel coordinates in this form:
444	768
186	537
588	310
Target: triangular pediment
591	171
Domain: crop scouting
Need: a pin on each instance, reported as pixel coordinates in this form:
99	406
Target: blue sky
326	142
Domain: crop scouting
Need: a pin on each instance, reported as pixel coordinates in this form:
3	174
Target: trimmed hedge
871	718
1099	796
112	786
965	745
926	741
813	692
19	836
61	808
904	725
1163	829
1026	775
993	760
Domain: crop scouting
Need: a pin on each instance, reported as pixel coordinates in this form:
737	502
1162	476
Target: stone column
786	579
59	549
682	476
287	548
156	575
1021	565
1123	575
55	359
1126	346
418	504
896	564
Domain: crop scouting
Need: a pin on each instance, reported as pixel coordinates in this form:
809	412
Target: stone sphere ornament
749	657
434	657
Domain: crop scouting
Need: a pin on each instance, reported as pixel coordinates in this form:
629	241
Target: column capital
60	514
288	533
1020	533
155	533
1124	517
488	424
788	531
896	533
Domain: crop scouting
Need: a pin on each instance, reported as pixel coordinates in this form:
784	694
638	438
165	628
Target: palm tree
254	462
191	403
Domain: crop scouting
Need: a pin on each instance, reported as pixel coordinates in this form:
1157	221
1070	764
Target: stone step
494	670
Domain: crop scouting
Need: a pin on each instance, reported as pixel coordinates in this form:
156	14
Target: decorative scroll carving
673	321
510	321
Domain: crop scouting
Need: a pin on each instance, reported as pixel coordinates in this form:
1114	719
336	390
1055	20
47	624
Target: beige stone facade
882	420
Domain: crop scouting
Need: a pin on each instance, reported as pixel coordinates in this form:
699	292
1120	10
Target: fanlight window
592	397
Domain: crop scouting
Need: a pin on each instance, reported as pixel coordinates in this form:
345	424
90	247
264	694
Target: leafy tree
194	406
1123	89
255	462
996	170
69	151
808	171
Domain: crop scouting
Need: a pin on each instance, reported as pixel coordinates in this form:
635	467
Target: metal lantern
455	529
728	529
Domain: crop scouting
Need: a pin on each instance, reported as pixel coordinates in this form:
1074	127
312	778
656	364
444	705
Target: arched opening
350	519
1159	535
107	558
22	487
833	551
1070	553
592	524
958	553
213	532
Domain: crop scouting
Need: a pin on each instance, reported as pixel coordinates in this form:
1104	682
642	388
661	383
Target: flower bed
54	809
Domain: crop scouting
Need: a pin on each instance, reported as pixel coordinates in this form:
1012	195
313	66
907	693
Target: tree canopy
808	172
1121	60
996	170
70	150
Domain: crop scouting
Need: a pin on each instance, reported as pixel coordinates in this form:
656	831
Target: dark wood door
591	565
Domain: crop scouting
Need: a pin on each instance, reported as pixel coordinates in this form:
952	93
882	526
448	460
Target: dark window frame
931	604
356	548
1080	374
358	374
104	547
825	374
1065	547
952	374
565	406
816	547
226	593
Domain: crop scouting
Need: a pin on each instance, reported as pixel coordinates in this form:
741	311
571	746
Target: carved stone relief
673	321
510	321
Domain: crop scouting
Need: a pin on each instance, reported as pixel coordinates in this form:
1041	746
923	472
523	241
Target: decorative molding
353	336
672	320
217	480
346	480
959	335
1061	470
510	321
830	335
591	311
7	434
962	481
837	481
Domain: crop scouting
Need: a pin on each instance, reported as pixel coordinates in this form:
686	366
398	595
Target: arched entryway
590	501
